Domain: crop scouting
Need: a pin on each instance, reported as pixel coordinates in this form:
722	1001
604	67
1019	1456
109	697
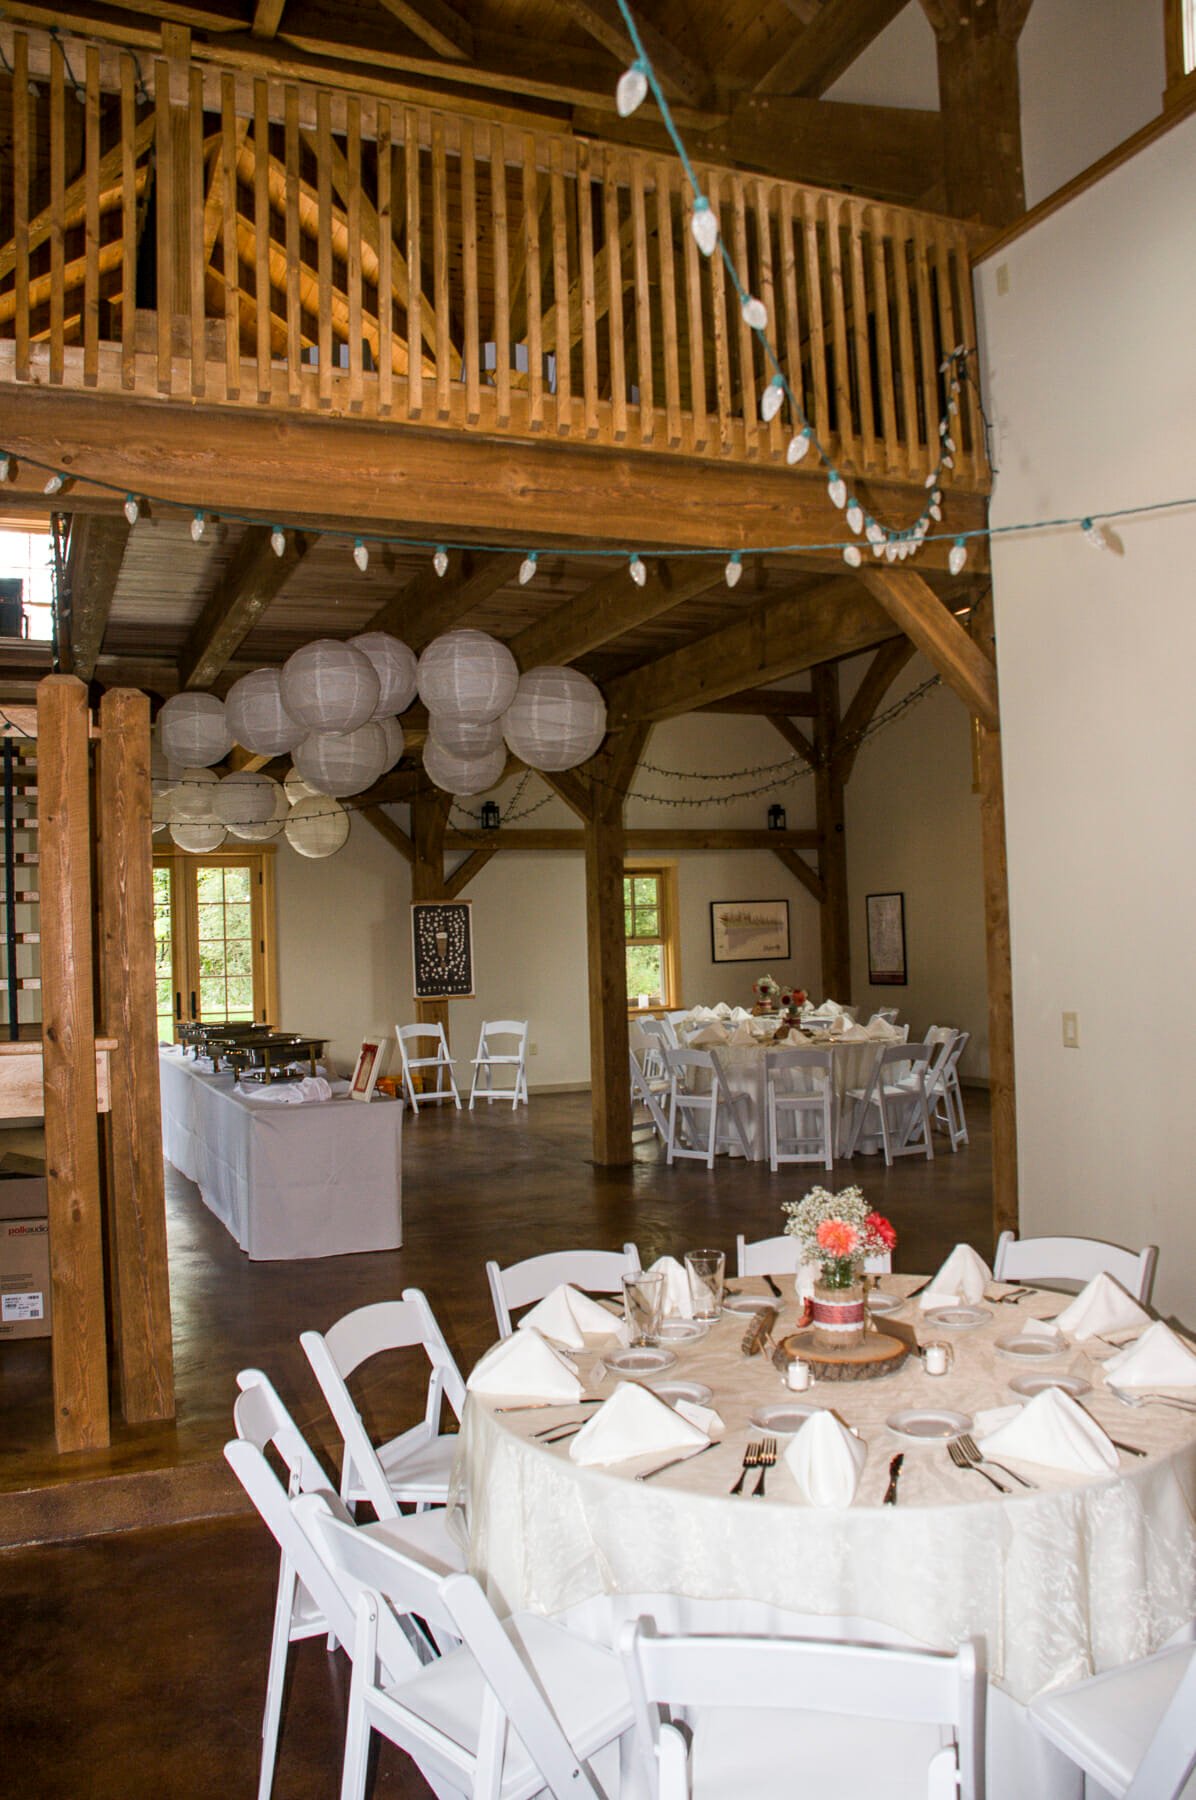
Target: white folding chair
1075	1259
698	1092
810	1109
782	1256
520	1707
848	1719
899	1101
415	1466
1131	1730
440	1060
523	1283
682	1024
647	1091
659	1035
488	1059
947	1112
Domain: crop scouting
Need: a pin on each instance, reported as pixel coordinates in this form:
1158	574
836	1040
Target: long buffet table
320	1179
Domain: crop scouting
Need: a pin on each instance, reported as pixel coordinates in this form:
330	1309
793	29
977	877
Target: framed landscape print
442	949
749	930
886	940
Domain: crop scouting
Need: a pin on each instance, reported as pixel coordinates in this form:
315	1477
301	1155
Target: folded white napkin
722	1010
568	1317
831	1008
882	1031
526	1366
963	1277
289	1093
709	1034
855	1034
1158	1359
636	1422
993	1417
1098	1310
1054	1431
742	1034
825	1460
739	1014
702	1015
677	1301
1042	1328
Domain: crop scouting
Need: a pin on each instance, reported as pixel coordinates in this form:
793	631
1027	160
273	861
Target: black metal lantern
491	817
776	818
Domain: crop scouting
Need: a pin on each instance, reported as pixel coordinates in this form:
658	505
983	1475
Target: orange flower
838	1238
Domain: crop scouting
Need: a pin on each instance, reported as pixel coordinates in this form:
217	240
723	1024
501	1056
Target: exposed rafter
826	47
921	615
432	603
253	578
437	25
386	828
612	606
267	16
94	557
879	676
679	74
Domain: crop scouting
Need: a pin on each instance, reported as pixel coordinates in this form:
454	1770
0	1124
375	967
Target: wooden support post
78	1343
834	920
981	111
429	818
136	1188
607	943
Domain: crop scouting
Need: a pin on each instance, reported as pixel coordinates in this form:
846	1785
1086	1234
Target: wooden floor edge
72	1510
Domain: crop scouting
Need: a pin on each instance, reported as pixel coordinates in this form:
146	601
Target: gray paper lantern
294	786
257	717
252	806
468	675
342	762
463	774
330	686
160	812
194	730
465	737
190	801
198	837
556	720
395	666
396	743
317	826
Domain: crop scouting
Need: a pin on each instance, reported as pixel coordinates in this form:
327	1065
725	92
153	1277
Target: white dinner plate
1031	1349
645	1360
671	1391
749	1303
683	1331
786	1417
923	1422
957	1318
1029	1385
883	1304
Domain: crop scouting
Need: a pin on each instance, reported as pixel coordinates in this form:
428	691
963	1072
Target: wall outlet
533	1049
1071	1031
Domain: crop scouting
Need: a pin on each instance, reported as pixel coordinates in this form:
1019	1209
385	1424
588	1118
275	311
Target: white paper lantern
556	720
194	730
342	762
317	826
198	837
294	786
395	666
160	812
465	737
330	686
467	674
257	717
251	805
463	774
191	801
395	741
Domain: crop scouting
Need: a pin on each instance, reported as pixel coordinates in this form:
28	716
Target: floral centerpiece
792	1000
766	991
837	1232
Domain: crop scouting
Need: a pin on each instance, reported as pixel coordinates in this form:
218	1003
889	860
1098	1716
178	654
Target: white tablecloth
321	1179
1077	1576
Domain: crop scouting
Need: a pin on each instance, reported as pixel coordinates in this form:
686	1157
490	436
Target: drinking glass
643	1303
706	1269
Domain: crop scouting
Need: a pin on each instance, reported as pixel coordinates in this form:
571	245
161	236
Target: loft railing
193	232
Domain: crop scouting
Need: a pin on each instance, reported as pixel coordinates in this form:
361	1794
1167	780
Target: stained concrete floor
135	1658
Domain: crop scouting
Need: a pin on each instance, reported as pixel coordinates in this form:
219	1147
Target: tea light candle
798	1376
935	1357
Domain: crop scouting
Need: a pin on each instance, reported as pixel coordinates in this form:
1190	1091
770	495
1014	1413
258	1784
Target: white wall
1090	367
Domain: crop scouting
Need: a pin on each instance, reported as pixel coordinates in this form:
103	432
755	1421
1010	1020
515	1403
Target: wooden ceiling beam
251	581
879	676
230	17
678	73
437	25
798	866
826	47
890	152
610	607
769	702
572	837
431	603
94	557
796	740
914	606
788	635
267	16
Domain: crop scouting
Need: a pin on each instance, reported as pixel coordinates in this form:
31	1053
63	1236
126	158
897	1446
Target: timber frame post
429	821
834	918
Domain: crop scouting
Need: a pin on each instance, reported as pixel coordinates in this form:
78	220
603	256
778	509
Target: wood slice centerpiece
875	1354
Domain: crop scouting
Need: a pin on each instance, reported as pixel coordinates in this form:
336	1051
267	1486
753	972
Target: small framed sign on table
367	1070
886	940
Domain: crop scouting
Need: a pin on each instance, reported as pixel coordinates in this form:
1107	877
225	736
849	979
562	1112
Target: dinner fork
961	1460
971	1450
751	1460
767	1459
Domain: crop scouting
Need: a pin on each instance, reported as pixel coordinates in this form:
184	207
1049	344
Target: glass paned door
212	938
224	935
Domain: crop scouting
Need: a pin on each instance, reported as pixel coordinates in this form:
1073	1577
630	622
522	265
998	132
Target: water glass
643	1303
705	1269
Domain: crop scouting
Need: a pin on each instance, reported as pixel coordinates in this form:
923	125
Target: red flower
838	1238
880	1231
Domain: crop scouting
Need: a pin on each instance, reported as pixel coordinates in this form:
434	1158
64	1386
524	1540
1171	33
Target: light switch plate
1071	1031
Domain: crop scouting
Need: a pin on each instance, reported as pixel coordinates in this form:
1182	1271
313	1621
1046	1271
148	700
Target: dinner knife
890	1498
773	1288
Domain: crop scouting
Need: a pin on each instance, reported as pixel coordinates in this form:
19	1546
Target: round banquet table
1077	1575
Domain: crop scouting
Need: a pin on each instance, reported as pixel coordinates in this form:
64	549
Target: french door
213	934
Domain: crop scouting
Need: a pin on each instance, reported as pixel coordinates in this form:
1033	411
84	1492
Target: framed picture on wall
886	940
749	930
367	1069
442	949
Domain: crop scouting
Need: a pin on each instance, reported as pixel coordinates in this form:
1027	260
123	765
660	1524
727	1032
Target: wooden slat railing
313	249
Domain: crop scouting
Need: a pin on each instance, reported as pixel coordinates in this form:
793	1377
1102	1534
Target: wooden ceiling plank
879	676
790	634
431	603
826	47
913	605
197	18
267	17
610	607
251	581
94	557
437	25
678	73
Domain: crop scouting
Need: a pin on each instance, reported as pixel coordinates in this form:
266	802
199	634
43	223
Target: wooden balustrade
196	233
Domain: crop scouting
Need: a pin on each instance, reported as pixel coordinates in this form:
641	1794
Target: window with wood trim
214	937
1179	36
650	924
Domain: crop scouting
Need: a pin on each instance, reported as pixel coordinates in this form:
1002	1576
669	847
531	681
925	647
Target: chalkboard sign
442	949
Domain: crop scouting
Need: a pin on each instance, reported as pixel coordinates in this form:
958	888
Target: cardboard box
24	1258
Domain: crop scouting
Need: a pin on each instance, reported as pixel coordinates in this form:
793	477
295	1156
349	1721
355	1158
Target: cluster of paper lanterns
202	809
